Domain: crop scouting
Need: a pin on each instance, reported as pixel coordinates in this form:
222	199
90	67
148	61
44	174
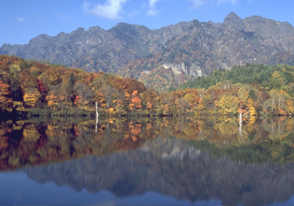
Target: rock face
191	48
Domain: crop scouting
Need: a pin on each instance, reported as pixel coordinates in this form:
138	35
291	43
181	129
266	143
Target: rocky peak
232	17
41	39
129	29
132	36
61	34
79	31
268	26
97	34
234	21
95	29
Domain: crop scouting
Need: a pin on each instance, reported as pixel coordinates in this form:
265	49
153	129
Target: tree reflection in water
187	158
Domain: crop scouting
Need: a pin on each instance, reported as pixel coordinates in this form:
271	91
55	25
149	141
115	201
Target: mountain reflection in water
188	159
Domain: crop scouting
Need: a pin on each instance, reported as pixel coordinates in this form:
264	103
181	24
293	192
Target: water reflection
188	159
186	175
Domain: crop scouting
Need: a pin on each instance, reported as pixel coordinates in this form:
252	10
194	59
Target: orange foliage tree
5	97
135	101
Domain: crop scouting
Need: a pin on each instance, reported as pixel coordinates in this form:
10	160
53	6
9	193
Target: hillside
189	49
33	88
29	85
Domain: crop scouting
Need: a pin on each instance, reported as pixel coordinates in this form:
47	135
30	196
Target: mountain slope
189	48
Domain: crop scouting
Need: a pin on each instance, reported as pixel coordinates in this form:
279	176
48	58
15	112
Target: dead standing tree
109	93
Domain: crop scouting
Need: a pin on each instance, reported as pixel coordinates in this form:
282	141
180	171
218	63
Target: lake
163	161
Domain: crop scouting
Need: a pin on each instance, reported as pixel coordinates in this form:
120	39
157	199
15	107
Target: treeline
268	77
34	88
268	89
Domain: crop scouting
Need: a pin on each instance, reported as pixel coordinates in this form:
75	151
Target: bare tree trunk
240	122
97	116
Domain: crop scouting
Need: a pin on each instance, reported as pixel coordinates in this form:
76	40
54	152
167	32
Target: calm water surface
183	161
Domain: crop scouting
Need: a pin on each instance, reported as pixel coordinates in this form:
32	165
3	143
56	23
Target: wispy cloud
198	3
62	17
152	8
111	9
227	1
20	19
133	14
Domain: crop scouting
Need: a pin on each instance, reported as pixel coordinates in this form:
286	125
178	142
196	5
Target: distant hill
189	49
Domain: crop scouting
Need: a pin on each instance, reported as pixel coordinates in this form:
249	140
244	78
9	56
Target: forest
31	88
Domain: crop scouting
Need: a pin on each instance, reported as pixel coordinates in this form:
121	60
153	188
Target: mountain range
186	50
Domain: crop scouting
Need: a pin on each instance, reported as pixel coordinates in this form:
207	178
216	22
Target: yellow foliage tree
289	106
31	97
228	103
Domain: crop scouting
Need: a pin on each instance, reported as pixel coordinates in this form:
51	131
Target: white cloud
111	9
152	8
20	19
152	12
152	3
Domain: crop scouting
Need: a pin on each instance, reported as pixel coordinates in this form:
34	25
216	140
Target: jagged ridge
191	48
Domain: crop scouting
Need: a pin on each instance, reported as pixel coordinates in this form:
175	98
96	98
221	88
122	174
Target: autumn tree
228	103
109	93
13	80
5	97
30	88
119	104
149	100
70	88
201	92
135	101
183	104
276	81
84	93
31	97
289	106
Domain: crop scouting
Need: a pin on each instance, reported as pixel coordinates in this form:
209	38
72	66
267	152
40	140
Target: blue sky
22	20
